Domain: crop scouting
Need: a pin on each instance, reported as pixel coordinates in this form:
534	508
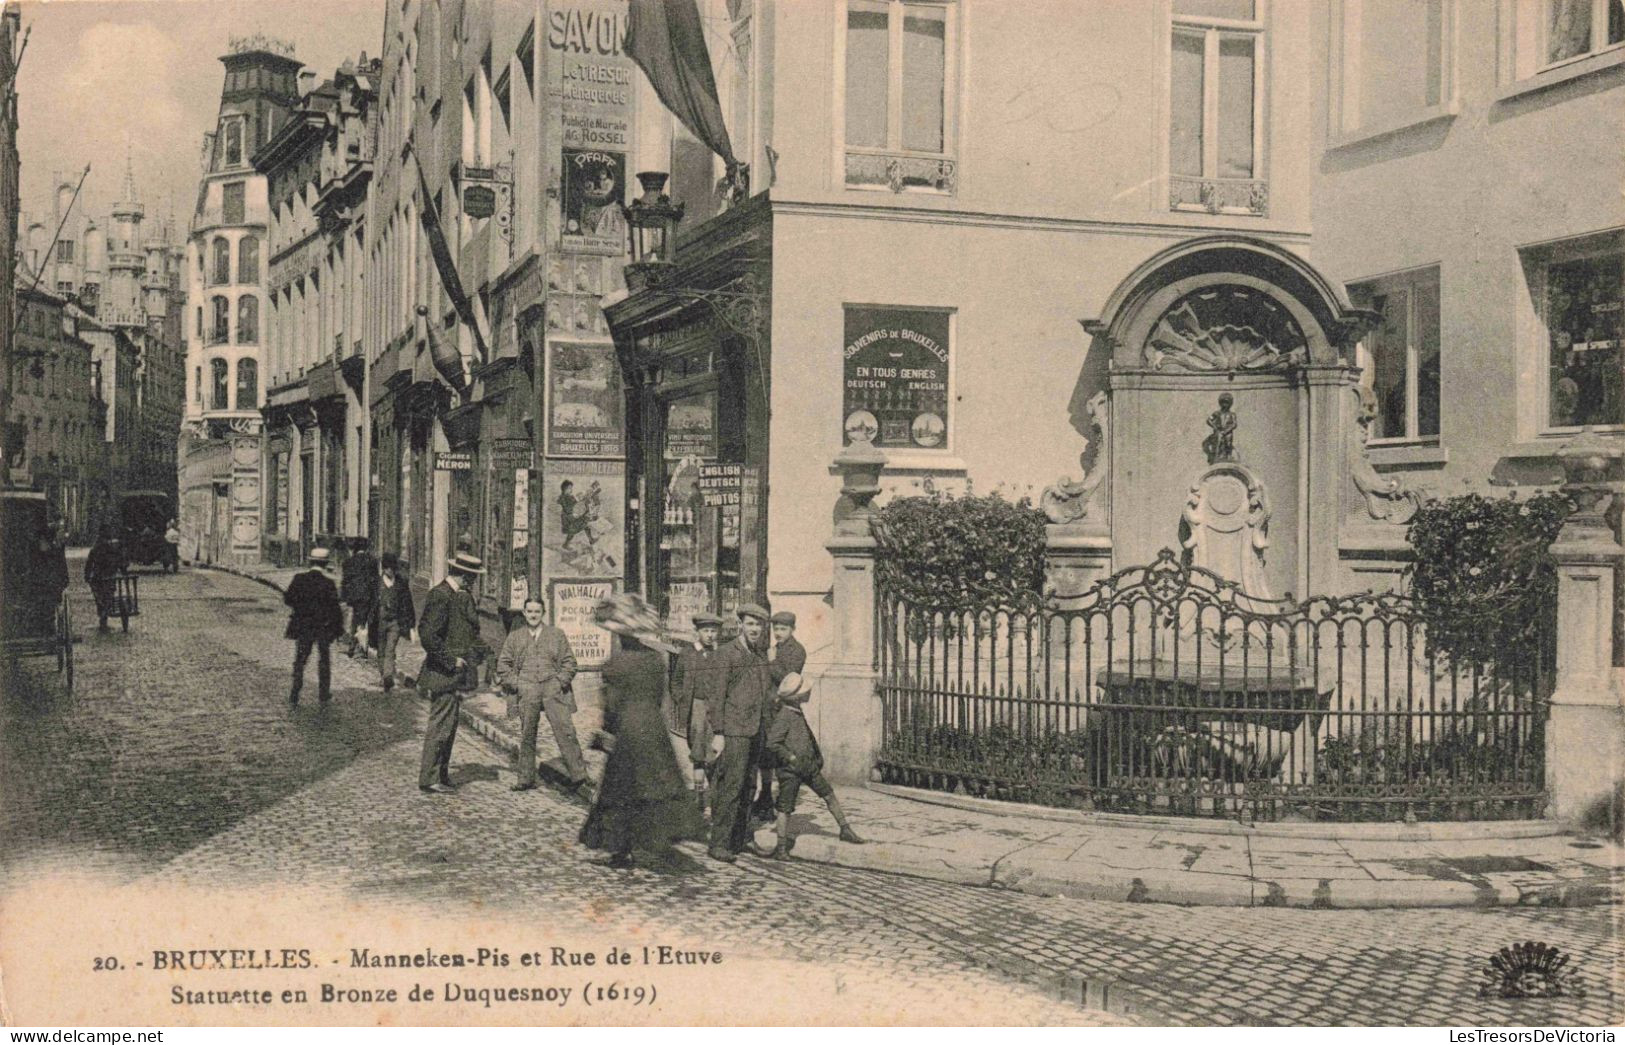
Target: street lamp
651	223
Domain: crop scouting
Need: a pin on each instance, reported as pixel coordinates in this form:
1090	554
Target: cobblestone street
179	763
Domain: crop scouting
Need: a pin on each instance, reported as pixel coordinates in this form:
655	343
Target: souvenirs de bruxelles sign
895	377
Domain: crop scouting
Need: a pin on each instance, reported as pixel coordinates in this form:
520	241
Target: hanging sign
453	462
719	484
479	201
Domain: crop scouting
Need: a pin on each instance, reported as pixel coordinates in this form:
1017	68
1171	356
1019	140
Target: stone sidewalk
1049	852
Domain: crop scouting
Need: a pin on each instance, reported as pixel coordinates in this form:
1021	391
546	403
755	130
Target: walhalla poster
1082	513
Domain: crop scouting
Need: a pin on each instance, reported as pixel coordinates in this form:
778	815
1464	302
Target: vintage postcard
812	512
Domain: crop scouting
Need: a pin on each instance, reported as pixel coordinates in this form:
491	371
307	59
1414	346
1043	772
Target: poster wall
572	603
583	519
592	85
895	377
585	406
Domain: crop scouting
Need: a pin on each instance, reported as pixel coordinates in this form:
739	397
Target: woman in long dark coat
643	800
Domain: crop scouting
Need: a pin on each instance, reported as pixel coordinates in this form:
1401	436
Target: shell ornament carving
1068	500
1386	499
1225	329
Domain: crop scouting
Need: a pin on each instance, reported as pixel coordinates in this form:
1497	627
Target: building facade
220	455
317	170
57	402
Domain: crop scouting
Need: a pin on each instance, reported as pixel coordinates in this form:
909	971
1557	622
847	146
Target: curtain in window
222	260
248	383
868	74
248	320
1185	106
217	400
924	42
221	331
248	260
1568	30
1235	107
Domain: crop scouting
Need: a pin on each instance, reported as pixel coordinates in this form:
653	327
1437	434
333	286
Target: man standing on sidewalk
449	632
536	665
316	621
736	727
393	615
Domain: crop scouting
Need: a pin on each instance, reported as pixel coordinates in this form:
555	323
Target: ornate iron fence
1165	689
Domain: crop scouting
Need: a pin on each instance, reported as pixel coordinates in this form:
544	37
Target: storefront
695	362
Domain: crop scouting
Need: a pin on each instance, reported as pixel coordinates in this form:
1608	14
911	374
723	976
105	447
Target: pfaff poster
572	603
594	188
895	377
584	400
583	520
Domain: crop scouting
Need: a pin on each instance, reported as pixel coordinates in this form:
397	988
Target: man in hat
317	620
696	685
736	730
449	632
536	665
102	567
359	590
789	658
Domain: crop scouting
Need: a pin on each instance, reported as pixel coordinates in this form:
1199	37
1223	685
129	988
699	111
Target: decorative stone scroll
1225	329
1068	501
1385	498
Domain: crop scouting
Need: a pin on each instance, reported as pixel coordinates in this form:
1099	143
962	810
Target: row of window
1578	291
900	82
248	385
218	271
219	329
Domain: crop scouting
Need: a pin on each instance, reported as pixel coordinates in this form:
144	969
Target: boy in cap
799	761
789	657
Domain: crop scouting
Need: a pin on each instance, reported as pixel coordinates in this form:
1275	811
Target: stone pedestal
845	711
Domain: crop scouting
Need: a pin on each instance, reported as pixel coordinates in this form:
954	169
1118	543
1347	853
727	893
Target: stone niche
1254	488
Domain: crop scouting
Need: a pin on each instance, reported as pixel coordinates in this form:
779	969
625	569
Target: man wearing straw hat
449	632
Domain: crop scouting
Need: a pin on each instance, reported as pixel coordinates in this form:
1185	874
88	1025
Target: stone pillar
1585	736
847	706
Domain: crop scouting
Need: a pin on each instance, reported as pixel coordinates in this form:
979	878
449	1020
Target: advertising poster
584	400
685	599
583	520
691	427
895	377
594	187
572	603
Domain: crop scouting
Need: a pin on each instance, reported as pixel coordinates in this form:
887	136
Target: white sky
99	71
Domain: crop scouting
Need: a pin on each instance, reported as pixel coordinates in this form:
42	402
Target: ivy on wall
942	553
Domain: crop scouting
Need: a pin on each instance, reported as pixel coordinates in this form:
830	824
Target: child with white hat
799	761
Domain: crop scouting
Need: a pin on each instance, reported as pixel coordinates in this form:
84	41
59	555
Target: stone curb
1431	832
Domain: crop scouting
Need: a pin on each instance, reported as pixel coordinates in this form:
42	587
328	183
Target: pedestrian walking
643	802
172	546
789	657
449	632
393	614
317	620
102	567
799	763
737	734
536	665
359	590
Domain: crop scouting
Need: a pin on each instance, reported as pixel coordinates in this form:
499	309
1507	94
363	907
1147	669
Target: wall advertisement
895	377
592	84
583	519
584	401
572	603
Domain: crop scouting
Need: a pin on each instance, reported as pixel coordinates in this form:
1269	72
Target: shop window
1390	63
1401	356
248	384
1215	106
217	398
232	202
899	90
248	320
1577	288
221	271
220	331
248	259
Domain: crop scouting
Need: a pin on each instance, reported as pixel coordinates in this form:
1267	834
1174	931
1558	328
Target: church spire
129	174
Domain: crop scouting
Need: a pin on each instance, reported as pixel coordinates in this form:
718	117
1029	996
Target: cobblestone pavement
353	821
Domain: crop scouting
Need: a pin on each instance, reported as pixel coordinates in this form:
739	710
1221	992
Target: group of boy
735	714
